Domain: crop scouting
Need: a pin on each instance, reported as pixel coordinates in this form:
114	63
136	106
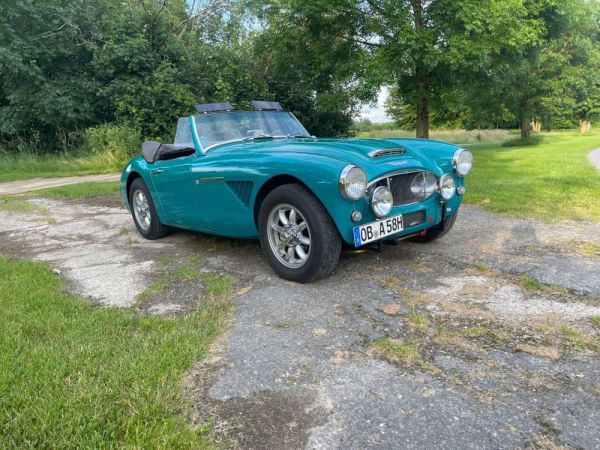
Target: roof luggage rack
213	107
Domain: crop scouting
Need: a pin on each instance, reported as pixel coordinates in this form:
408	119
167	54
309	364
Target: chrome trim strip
230	141
206	180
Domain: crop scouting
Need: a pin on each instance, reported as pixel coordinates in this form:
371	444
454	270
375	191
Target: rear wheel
436	232
297	235
144	212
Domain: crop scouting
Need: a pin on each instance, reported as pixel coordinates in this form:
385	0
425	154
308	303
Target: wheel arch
130	179
126	186
275	182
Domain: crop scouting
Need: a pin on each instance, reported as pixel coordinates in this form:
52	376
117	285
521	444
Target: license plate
377	230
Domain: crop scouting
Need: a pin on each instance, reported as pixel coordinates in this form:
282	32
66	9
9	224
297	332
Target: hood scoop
381	152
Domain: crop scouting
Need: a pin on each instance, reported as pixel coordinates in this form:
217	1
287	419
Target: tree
429	47
554	75
583	77
305	54
66	66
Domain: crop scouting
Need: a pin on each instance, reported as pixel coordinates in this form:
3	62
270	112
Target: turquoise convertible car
260	174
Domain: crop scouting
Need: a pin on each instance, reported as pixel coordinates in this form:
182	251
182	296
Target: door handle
156	171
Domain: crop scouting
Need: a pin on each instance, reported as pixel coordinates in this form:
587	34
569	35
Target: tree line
69	66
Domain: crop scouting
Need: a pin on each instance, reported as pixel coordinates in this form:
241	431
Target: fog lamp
382	201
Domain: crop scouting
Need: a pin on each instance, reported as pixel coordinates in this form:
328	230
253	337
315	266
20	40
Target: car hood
416	153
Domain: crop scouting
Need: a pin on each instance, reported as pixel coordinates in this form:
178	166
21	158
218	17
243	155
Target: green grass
589	249
76	376
152	290
189	268
399	351
80	190
551	180
30	165
530	284
474	331
18	204
418	320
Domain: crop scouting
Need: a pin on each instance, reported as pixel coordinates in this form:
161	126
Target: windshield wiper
277	136
258	136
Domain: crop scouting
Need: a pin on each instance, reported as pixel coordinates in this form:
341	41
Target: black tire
156	230
436	232
325	241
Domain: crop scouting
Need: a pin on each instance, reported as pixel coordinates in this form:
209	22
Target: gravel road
455	344
34	184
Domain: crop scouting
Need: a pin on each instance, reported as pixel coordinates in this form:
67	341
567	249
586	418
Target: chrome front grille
400	185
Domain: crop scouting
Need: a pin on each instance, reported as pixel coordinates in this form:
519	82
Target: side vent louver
387	152
242	190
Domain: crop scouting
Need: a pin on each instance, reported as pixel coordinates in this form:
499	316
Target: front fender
139	167
321	175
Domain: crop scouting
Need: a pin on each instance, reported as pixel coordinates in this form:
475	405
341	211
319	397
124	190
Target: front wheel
297	235
144	212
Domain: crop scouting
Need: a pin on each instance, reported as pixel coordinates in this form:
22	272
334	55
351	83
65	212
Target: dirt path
34	184
594	157
452	344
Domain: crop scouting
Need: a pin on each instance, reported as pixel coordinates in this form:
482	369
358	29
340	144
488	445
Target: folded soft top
155	151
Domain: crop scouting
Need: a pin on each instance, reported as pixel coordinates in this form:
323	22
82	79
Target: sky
376	113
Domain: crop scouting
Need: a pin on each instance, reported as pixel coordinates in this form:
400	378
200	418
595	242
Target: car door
224	186
175	187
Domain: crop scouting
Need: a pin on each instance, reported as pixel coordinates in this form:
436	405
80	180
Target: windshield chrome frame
204	150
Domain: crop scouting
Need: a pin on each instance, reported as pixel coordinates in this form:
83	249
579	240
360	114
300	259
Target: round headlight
353	182
382	201
462	161
423	185
447	186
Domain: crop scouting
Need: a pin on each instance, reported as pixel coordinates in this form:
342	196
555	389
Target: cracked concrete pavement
494	363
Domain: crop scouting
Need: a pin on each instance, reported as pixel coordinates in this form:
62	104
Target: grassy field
550	180
77	376
29	165
455	136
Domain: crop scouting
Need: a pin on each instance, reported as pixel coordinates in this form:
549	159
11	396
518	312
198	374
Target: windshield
214	129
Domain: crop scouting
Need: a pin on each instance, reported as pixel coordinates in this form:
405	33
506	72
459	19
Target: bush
112	143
